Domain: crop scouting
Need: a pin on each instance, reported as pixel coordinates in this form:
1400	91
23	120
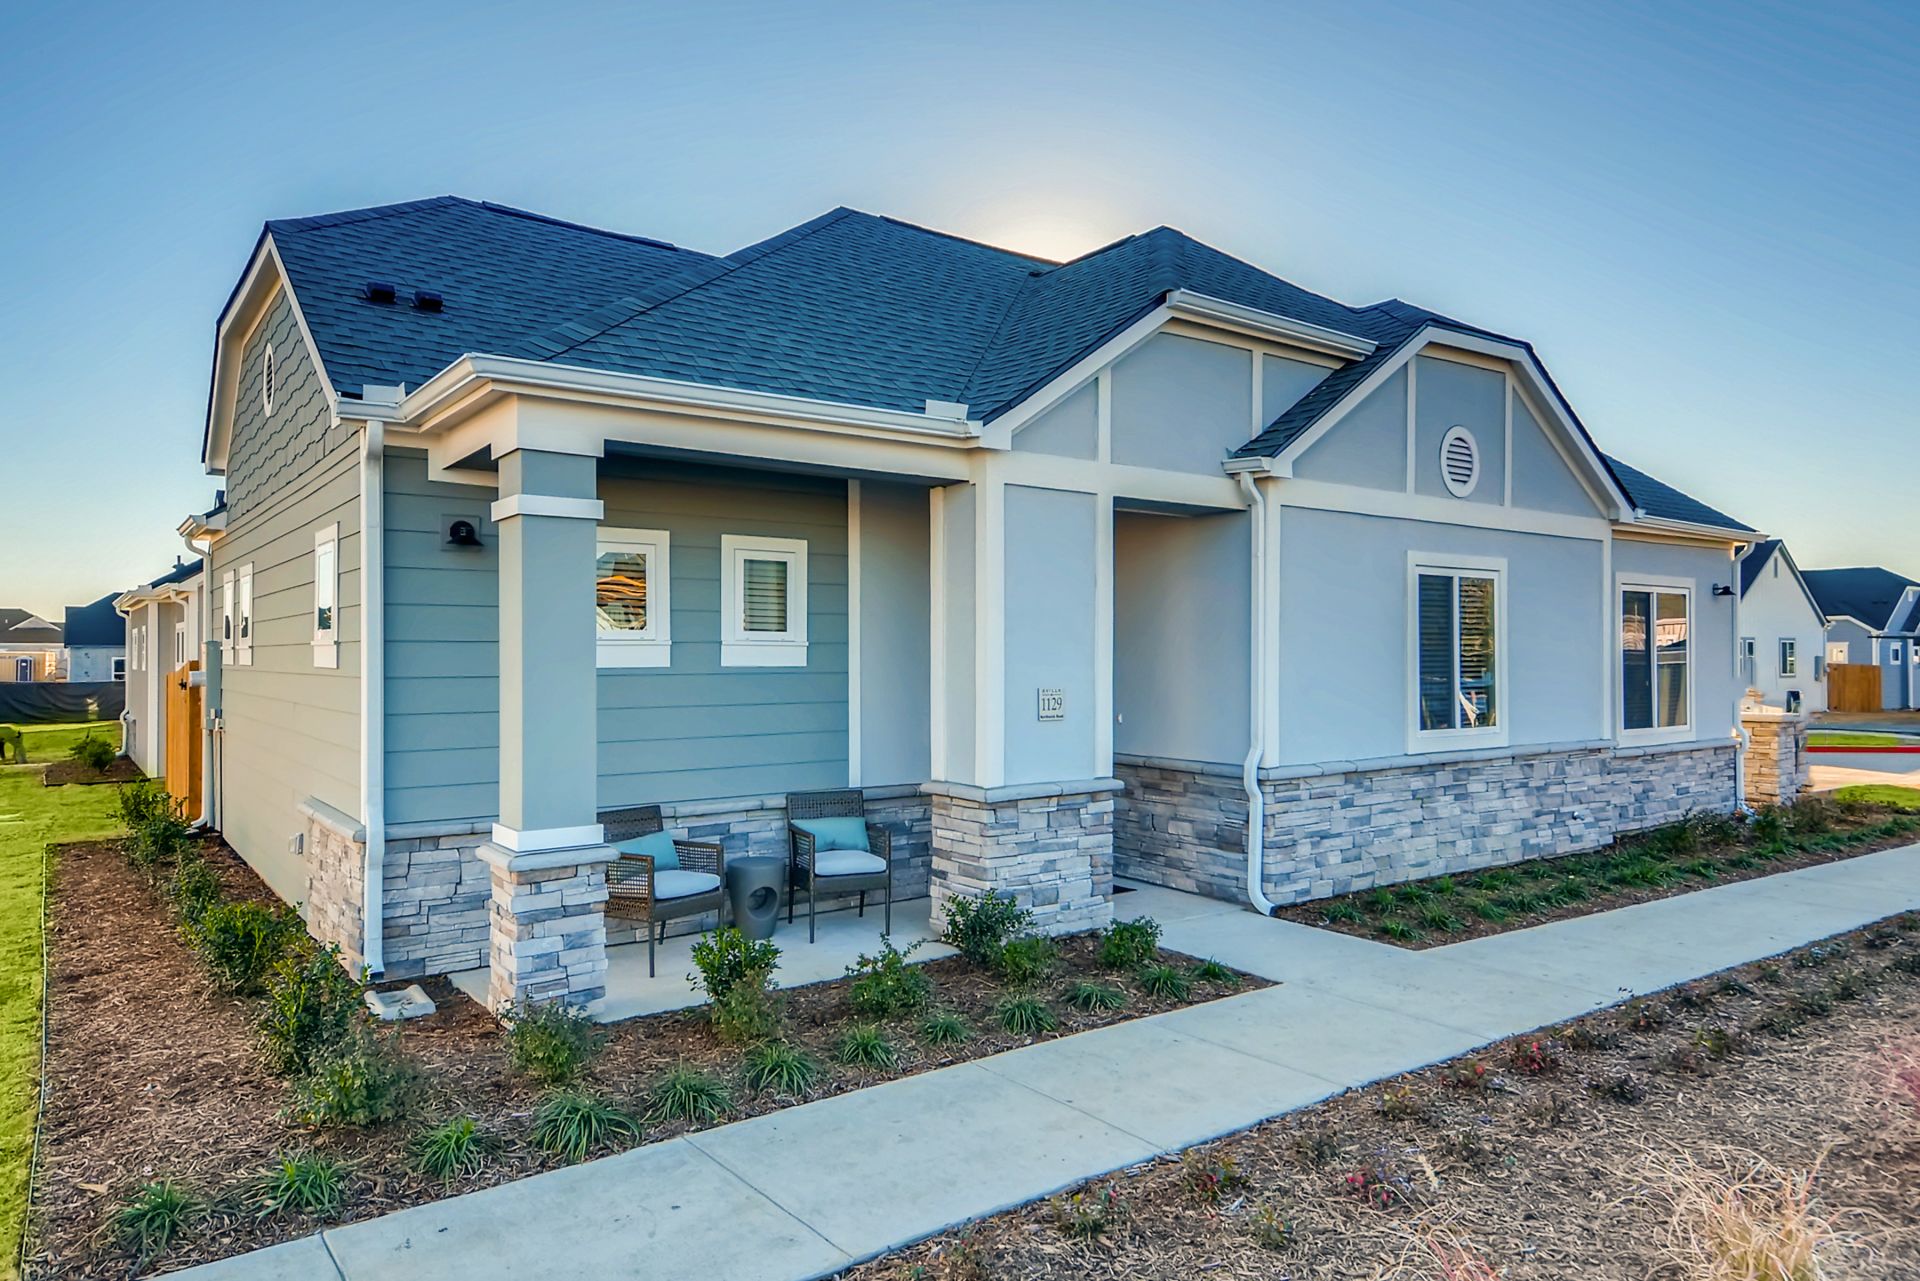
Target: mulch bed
64	773
1490	1172
154	1073
1638	869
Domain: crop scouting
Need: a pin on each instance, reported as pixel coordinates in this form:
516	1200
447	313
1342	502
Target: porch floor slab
800	1193
841	938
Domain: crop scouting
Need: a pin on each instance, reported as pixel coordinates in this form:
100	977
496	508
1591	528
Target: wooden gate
1853	687
183	739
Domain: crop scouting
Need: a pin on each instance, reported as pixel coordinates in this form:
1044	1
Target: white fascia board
1189	305
1640	521
265	275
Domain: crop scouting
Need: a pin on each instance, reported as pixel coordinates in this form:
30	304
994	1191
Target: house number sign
1053	704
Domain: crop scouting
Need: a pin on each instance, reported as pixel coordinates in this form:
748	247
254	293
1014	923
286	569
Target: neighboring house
95	639
1074	568
30	647
165	621
1873	618
1782	630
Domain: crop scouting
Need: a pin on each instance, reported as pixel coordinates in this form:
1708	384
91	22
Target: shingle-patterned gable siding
271	451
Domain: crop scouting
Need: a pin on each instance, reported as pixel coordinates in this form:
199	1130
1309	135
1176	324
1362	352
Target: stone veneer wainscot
1049	846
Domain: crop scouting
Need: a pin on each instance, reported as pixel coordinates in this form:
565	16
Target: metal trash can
754	884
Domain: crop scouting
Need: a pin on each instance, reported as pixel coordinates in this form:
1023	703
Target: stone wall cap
345	824
1771	714
543	860
1023	791
1221	769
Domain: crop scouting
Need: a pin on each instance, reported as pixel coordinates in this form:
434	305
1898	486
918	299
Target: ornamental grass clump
1754	1222
865	1045
1025	1015
551	1043
1096	998
887	985
574	1126
153	1218
454	1149
1165	983
1211	971
1128	945
774	1067
304	1184
687	1094
943	1027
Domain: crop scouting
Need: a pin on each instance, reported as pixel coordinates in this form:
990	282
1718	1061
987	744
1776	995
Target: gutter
373	695
1256	715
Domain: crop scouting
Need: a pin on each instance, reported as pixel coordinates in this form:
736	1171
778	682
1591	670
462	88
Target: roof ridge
954	236
532	216
346	217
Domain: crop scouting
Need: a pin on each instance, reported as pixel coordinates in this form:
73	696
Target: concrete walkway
804	1192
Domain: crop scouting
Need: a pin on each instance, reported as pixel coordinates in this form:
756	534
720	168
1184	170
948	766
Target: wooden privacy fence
1853	687
183	739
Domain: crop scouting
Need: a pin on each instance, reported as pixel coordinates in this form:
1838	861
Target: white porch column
548	859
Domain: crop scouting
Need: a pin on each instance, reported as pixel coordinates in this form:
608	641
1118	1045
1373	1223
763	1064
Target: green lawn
31	816
1832	738
48	743
1906	798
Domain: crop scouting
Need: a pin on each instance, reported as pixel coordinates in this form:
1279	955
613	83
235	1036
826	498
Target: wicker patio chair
637	892
836	871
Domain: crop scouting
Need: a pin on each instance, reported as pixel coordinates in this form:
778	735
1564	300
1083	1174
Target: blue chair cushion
659	845
835	833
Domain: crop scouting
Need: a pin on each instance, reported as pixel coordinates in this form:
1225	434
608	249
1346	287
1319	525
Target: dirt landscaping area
1609	1149
1704	850
154	1074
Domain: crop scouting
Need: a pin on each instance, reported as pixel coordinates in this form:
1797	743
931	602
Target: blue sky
1706	217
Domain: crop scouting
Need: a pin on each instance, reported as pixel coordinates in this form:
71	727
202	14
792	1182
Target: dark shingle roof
1865	592
180	573
1756	560
97	624
25	627
1659	499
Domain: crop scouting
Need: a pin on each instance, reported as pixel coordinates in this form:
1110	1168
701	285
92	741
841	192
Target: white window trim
1622	584
226	618
652	647
117	669
180	644
326	641
1419	740
243	619
268	373
741	648
1788	663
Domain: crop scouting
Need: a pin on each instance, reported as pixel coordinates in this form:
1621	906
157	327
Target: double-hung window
326	596
1458	655
763	601
631	595
243	618
1789	657
1656	660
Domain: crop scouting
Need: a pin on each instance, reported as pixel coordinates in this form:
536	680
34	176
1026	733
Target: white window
763	601
1893	652
119	669
243	619
1458	651
632	587
226	617
179	644
1749	660
266	380
326	596
1789	657
1656	660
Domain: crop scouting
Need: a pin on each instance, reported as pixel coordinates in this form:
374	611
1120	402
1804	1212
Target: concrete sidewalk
804	1192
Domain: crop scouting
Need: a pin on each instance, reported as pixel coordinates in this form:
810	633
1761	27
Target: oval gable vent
1459	461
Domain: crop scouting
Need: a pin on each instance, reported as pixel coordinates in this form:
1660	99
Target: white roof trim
1189	305
264	277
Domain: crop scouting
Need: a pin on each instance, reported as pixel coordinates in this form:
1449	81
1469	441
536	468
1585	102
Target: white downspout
373	701
1256	690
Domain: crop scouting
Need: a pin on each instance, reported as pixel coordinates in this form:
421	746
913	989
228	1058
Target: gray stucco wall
1448	394
1541	478
270	453
1071	428
1344	619
1284	382
1717	684
895	619
1050	632
292	729
1181	629
1181	404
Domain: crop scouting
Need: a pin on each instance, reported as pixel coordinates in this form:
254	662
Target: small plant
865	1045
1587	1035
1472	1075
980	926
1208	1177
1028	959
1644	1016
1400	1103
1441	918
1691	996
1488	910
1684	1060
94	753
304	1184
1165	983
1536	1056
153	1217
551	1043
687	1094
1096	998
160	840
943	1027
140	801
1849	985
1400	931
194	888
1271	1230
727	959
1128	945
1783	1021
886	986
1377	1185
774	1067
1413	896
746	1015
1619	1087
1549	1109
451	1150
1088	1213
1342	912
1720	1042
573	1126
241	941
360	1082
1316	1147
1812	958
1025	1015
309	1008
1755	1224
1211	971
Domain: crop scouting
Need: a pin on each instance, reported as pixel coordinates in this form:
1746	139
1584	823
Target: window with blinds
631	603
1655	659
763	595
764	599
1456	651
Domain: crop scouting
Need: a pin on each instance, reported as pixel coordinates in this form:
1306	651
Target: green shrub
944	1027
1400	931
139	802
573	1126
1128	945
357	1083
1028	959
1342	911
451	1150
1440	917
241	941
306	1185
774	1067
887	986
94	753
865	1045
1165	983
1211	971
1025	1015
727	959
1096	998
162	837
746	1014
195	887
309	1009
153	1217
552	1042
686	1094
981	926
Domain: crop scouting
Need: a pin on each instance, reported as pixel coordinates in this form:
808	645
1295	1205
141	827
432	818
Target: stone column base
1777	769
1050	847
547	937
